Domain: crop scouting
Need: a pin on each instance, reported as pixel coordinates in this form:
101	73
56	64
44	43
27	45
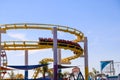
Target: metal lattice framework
3	63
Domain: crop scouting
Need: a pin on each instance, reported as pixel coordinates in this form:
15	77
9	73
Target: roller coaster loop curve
44	43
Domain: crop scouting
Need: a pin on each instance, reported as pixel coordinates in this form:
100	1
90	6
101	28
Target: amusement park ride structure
43	43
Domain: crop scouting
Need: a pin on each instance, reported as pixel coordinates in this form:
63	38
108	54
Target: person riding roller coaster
61	42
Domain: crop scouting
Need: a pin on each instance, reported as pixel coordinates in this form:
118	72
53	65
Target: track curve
41	44
33	45
67	29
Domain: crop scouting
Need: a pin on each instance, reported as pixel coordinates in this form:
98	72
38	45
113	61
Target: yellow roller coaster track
33	45
77	33
76	48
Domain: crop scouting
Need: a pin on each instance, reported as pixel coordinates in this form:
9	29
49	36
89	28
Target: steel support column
26	64
55	53
86	58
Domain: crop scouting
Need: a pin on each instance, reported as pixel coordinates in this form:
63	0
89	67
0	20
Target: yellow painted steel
26	45
86	73
77	33
33	45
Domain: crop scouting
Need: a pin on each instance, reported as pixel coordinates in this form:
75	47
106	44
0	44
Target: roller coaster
44	43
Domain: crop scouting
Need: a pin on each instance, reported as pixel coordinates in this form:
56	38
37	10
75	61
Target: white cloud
19	36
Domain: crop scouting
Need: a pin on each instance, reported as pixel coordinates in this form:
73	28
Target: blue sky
99	20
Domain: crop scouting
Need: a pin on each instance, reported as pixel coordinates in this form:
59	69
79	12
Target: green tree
44	68
11	75
65	74
19	76
94	73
